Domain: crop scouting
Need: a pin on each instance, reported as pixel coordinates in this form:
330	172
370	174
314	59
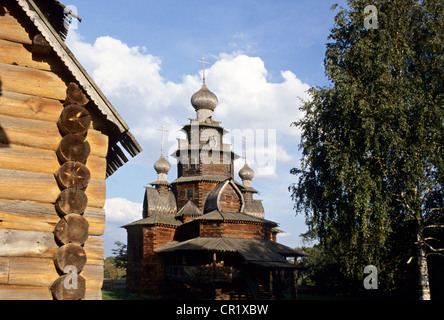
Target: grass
123	295
120	295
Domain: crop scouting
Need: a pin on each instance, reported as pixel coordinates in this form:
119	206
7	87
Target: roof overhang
119	129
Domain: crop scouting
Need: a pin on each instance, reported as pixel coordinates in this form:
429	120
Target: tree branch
434	226
433	249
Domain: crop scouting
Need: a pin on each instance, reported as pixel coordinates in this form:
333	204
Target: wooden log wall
37	197
73	176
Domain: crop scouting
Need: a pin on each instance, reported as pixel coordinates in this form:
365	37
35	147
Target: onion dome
162	165
204	99
246	173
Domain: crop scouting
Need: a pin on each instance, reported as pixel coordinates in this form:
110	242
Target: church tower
203	234
203	160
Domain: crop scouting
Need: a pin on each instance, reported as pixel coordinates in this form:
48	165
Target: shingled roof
233	217
156	219
254	208
212	201
156	202
189	210
255	251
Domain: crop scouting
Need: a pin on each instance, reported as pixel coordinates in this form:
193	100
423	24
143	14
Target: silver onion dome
162	165
204	99
246	173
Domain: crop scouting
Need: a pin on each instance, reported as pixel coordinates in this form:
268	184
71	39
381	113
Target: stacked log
73	177
33	96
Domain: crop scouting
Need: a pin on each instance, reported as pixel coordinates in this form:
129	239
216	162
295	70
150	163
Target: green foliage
120	254
115	266
372	171
111	270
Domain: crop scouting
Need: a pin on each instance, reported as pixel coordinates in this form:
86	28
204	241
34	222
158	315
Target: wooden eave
119	130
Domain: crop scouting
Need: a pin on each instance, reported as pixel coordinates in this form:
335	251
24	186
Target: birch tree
371	175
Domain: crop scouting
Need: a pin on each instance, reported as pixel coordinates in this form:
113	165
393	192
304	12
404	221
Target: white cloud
131	78
248	100
122	210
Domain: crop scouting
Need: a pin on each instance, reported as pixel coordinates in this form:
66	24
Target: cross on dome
203	61
204	101
244	151
163	130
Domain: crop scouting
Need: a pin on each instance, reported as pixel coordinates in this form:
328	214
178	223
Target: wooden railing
199	274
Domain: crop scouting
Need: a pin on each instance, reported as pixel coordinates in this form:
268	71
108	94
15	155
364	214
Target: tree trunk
424	287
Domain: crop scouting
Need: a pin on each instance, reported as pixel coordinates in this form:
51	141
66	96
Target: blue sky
263	56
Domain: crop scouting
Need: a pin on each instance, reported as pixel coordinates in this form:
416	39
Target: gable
230	200
225	196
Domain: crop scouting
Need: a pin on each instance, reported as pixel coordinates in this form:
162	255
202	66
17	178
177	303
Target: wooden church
204	235
60	138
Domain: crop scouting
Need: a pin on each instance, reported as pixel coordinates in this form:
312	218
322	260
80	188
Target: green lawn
119	295
122	295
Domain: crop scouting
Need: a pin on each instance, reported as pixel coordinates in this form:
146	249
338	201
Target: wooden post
295	280
271	285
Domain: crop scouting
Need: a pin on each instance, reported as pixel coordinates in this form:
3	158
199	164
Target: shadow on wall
4	141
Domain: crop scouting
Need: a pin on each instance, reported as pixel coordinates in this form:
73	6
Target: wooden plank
19	158
96	193
95	250
24	293
41	272
32	81
16	243
30	107
44	135
34	216
30	133
4	270
19	185
12	30
17	54
14	157
93	294
38	272
35	244
93	274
